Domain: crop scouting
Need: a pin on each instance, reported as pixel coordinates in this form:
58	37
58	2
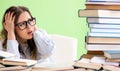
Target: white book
18	62
85	63
102	47
95	34
104	30
99	13
103	3
104	26
103	20
4	54
101	60
53	66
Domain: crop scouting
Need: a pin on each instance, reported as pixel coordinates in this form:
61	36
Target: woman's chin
30	37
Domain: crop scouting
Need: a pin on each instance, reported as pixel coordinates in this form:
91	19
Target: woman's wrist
11	36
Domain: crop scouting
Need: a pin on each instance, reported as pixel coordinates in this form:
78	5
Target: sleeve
12	47
1	45
44	44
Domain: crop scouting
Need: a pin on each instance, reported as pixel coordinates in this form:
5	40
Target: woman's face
26	33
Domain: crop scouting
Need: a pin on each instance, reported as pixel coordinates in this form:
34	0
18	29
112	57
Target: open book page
4	54
111	68
15	68
53	66
98	59
17	61
85	63
2	66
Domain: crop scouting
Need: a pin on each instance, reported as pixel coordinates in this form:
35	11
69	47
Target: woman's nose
28	25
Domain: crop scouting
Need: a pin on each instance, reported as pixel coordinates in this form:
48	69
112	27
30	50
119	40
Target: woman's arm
43	42
12	47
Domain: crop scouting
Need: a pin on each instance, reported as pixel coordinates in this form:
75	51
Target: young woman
22	38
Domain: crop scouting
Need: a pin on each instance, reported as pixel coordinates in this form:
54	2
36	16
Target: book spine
103	20
99	13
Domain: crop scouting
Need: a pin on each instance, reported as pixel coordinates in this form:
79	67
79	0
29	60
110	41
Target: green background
56	17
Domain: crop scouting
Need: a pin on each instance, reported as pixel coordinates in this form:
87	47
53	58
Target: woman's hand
9	22
9	25
36	28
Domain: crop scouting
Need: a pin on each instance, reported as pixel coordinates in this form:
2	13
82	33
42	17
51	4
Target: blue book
113	52
105	30
110	26
104	34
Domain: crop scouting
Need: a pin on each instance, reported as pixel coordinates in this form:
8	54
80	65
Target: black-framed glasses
24	24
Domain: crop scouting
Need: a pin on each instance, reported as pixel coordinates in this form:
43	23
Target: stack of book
96	63
104	25
103	17
8	61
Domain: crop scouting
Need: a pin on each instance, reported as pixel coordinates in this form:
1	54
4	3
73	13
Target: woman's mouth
30	32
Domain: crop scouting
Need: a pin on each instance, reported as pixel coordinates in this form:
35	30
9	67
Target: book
4	54
53	66
103	34
94	53
101	59
107	26
102	40
99	13
87	56
79	69
18	62
111	55
2	66
103	6
98	61
85	63
113	52
108	5
15	68
103	3
111	68
105	30
103	20
102	47
112	59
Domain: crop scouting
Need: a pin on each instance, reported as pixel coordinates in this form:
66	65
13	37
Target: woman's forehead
24	16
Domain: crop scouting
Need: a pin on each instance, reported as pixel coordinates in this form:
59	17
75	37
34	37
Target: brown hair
16	12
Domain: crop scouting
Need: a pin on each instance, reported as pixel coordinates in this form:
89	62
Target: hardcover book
112	55
110	26
102	40
85	63
4	54
18	62
102	5
102	47
99	13
97	63
105	30
112	59
104	34
103	20
53	66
